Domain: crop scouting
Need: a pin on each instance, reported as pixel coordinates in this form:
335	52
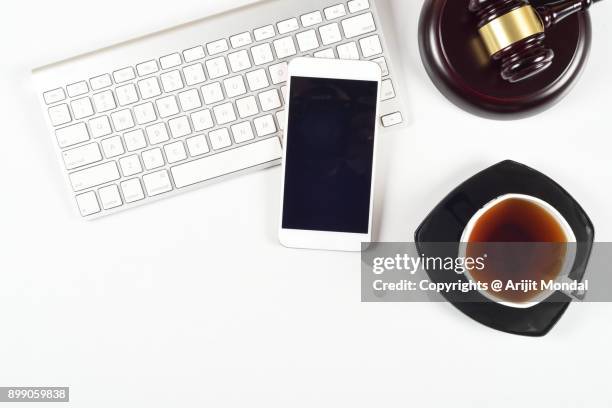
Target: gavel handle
557	12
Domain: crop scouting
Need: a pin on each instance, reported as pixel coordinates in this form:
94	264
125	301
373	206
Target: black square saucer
448	219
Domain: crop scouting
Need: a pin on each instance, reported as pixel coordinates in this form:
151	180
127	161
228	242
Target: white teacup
570	256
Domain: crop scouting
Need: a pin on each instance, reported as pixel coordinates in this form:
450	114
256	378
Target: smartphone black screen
330	151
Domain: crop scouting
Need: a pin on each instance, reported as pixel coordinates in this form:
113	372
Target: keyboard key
279	73
55	95
179	127
193	54
358	25
147	68
328	53
175	152
123	75
239	61
247	107
358	5
171	81
392	119
257	80
122	120
269	100
287	26
216	67
132	190
94	176
126	94
348	51
242	132
335	11
100	126
153	158
157	183
262	54
88	204
170	61
311	19
197	145
280	119
157	133
77	89
217	47
382	62
240	40
212	93
167	106
82	108
220	138
59	114
386	90
307	40
149	88
330	33
72	135
110	197
104	101
224	113
234	86
284	47
264	125
130	165
82	156
284	92
202	120
145	113
134	140
227	162
101	81
194	74
112	147
190	100
263	33
370	46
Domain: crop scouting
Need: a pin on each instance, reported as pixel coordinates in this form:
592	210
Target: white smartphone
329	154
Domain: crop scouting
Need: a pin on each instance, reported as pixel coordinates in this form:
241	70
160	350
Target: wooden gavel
514	33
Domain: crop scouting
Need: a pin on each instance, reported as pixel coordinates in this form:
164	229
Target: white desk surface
192	302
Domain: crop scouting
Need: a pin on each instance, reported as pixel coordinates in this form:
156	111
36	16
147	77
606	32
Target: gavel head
513	34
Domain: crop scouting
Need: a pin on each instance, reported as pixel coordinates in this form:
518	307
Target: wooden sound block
458	64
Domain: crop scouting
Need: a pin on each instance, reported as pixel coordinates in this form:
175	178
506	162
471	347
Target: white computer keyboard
191	105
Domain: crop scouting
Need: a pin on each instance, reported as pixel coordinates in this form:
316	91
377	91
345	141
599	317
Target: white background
191	301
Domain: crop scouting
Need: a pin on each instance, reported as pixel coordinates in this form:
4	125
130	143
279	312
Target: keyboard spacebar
227	162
